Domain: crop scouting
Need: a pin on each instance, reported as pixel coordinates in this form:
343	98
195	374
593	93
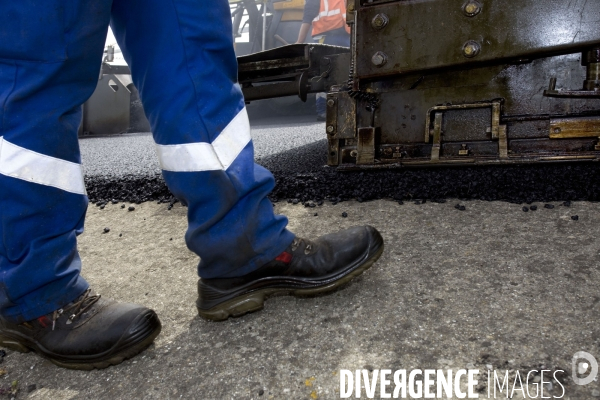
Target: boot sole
254	301
14	341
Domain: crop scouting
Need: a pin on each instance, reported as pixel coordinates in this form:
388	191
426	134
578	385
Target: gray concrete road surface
490	288
487	288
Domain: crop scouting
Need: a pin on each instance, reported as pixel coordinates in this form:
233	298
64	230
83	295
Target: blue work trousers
181	57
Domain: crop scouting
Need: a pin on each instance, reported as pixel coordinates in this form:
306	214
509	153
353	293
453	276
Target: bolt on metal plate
379	59
379	21
471	48
471	8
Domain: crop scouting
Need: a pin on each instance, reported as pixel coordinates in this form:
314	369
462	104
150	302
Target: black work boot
304	268
91	332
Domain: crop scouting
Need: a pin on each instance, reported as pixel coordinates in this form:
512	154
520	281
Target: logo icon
582	364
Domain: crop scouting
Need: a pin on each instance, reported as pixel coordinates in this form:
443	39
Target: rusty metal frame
437	137
365	146
501	31
567	128
497	131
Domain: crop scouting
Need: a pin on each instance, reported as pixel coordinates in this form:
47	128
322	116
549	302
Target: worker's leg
181	56
50	54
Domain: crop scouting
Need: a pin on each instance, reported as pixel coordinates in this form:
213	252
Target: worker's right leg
50	54
186	72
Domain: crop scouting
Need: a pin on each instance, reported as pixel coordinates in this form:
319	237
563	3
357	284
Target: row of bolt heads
470	49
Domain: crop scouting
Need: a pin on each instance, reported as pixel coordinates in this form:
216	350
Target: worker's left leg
50	54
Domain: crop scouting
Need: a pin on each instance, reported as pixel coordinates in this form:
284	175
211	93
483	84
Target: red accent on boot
284	257
44	321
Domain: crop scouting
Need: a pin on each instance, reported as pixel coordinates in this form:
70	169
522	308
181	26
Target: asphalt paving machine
446	82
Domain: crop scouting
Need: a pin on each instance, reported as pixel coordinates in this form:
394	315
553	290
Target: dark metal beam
416	35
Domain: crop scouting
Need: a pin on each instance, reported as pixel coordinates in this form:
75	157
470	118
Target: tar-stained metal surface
565	128
467	100
345	111
430	34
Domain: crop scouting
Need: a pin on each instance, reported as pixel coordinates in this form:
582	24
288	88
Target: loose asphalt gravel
125	168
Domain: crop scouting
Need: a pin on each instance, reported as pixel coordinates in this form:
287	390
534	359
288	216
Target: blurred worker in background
328	21
50	57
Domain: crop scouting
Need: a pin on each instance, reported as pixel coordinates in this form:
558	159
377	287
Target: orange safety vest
332	15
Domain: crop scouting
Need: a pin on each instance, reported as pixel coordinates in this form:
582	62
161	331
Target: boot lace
76	308
296	243
299	241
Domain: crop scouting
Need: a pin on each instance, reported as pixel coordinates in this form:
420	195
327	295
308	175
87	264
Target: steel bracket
567	128
497	131
437	137
333	152
553	92
365	146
